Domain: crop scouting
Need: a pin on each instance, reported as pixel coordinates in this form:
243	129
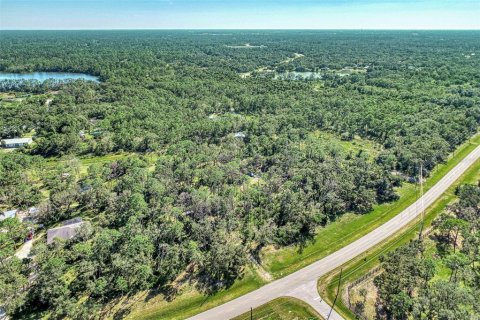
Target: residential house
16	142
67	231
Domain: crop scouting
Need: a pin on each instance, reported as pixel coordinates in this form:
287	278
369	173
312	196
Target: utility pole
336	296
251	313
422	204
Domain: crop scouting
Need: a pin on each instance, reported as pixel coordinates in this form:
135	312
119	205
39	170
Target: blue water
42	76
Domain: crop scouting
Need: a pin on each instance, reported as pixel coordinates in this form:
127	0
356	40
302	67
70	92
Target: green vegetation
284	308
190	302
350	227
442	282
190	174
364	263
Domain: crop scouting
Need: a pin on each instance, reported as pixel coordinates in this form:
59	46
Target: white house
16	142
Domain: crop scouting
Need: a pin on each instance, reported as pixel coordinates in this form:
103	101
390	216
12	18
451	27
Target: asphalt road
302	283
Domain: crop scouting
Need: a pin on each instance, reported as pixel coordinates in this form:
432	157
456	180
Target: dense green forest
205	166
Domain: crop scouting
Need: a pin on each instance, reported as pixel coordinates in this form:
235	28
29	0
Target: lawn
366	262
284	308
87	161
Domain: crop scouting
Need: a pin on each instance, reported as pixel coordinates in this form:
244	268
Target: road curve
300	283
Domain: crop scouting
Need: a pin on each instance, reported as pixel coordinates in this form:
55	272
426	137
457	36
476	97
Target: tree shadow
172	289
122	313
209	286
304	242
441	244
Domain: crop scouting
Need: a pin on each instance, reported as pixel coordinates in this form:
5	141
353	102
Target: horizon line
241	29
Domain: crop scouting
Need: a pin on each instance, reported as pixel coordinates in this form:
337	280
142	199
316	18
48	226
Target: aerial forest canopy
213	154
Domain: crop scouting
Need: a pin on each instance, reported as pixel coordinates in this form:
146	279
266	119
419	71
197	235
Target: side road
24	251
302	284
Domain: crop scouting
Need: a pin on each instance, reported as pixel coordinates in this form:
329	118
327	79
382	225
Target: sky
239	14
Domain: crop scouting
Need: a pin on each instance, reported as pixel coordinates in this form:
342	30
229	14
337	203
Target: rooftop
63	232
17	140
8	214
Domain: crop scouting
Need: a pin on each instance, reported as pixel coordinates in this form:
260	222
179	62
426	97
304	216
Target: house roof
17	140
8	214
71	221
240	134
63	232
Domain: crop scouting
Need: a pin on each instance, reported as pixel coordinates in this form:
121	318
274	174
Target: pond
295	75
42	76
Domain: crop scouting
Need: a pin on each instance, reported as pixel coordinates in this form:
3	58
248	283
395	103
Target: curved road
303	283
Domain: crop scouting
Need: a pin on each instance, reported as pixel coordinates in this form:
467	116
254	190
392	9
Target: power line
336	296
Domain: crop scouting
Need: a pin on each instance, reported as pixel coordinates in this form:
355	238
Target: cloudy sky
239	14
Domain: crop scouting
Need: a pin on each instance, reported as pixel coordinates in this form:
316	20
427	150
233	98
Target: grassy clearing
364	263
285	308
351	227
354	146
102	159
85	162
296	56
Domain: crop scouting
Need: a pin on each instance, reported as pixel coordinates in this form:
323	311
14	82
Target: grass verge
359	266
285	308
190	302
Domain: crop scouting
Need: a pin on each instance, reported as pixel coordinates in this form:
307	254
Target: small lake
295	75
42	76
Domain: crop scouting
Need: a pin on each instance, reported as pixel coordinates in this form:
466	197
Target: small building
240	135
16	142
67	231
8	214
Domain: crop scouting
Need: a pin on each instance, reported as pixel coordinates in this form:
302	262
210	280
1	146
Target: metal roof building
64	232
16	142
